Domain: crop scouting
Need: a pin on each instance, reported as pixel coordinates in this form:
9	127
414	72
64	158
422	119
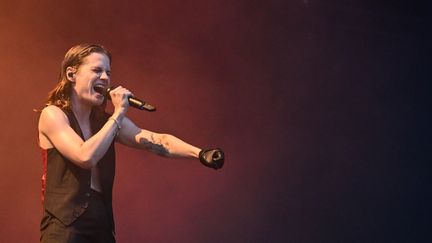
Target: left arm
161	144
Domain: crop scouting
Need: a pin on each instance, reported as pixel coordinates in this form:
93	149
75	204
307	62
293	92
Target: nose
104	76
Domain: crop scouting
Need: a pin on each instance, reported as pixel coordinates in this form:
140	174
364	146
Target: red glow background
320	109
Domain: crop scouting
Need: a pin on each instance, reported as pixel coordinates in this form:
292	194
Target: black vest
68	185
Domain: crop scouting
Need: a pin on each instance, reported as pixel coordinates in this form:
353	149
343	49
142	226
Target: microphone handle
134	102
142	105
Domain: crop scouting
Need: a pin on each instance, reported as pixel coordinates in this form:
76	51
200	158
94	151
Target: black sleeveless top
67	186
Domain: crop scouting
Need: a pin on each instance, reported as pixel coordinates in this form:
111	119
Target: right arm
55	131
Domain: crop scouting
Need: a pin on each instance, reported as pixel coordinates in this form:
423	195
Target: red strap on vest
44	164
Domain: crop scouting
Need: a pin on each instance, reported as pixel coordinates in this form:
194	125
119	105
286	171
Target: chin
98	102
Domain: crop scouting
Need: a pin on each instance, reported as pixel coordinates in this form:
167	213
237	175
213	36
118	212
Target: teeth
100	85
99	89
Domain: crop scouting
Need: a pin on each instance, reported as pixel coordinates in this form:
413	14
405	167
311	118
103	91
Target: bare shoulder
51	116
52	110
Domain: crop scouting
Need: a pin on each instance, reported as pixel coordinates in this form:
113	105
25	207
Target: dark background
320	106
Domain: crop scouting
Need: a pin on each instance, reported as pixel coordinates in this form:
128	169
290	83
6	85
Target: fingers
119	97
120	92
218	159
217	155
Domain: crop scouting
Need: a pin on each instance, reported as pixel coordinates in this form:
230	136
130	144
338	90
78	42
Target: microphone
133	101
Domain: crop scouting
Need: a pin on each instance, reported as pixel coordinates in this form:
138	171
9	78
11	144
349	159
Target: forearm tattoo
158	144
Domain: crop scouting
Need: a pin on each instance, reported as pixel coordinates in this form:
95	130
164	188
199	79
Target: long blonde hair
60	96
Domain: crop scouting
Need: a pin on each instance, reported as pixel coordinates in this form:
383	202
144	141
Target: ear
70	74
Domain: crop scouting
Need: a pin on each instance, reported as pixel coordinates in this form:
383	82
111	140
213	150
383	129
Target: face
95	71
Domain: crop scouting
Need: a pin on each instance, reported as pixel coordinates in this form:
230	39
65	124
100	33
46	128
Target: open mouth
100	88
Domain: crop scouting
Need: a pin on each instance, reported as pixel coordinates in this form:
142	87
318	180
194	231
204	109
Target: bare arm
55	131
161	144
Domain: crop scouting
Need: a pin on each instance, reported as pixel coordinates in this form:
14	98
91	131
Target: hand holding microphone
133	101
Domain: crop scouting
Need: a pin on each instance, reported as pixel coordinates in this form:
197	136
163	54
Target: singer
77	139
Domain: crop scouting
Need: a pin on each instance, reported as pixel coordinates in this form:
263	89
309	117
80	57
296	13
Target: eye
97	70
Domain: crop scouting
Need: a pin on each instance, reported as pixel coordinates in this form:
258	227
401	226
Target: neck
81	110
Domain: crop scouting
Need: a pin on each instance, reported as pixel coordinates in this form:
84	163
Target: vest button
87	194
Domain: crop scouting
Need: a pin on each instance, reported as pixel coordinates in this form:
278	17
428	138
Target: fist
119	97
213	158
